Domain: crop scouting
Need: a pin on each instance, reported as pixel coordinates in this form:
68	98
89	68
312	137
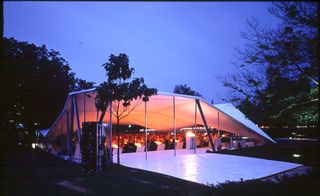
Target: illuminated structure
163	112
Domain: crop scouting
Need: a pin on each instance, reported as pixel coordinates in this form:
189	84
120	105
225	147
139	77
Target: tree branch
293	106
303	72
129	111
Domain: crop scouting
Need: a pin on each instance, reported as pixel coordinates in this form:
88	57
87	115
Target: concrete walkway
202	167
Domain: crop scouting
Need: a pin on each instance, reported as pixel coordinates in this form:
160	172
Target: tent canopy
164	112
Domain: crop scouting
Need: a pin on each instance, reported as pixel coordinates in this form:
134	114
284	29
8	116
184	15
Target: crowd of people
135	141
129	142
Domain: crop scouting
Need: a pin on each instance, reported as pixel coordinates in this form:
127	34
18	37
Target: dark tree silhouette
278	83
184	89
34	84
81	84
121	89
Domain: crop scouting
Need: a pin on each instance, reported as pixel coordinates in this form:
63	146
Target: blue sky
168	43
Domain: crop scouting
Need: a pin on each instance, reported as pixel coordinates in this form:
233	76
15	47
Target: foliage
121	90
278	81
184	89
307	184
35	83
120	87
81	84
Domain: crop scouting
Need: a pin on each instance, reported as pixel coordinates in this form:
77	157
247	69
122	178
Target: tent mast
68	135
174	124
75	106
218	123
110	140
84	107
195	127
205	123
145	128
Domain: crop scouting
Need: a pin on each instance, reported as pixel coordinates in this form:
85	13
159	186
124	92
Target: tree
278	82
184	89
81	84
121	90
34	83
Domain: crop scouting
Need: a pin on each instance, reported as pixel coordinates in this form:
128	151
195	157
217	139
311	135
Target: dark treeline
35	82
278	82
186	90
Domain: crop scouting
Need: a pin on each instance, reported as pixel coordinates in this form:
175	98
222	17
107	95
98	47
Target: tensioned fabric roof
160	110
233	112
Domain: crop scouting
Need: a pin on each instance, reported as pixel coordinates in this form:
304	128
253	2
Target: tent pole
195	127
174	124
72	114
72	124
218	123
110	128
205	123
84	107
145	128
97	115
77	116
68	135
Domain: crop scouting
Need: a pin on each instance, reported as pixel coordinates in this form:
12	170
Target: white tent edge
233	112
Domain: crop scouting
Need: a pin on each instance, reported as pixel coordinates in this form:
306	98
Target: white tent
163	112
236	114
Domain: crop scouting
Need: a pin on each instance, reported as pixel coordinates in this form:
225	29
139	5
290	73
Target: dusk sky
168	43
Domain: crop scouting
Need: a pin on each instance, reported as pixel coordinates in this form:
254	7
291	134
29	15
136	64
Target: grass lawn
37	172
34	172
309	152
283	151
297	185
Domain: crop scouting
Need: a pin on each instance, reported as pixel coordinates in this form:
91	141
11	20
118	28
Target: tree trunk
118	150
